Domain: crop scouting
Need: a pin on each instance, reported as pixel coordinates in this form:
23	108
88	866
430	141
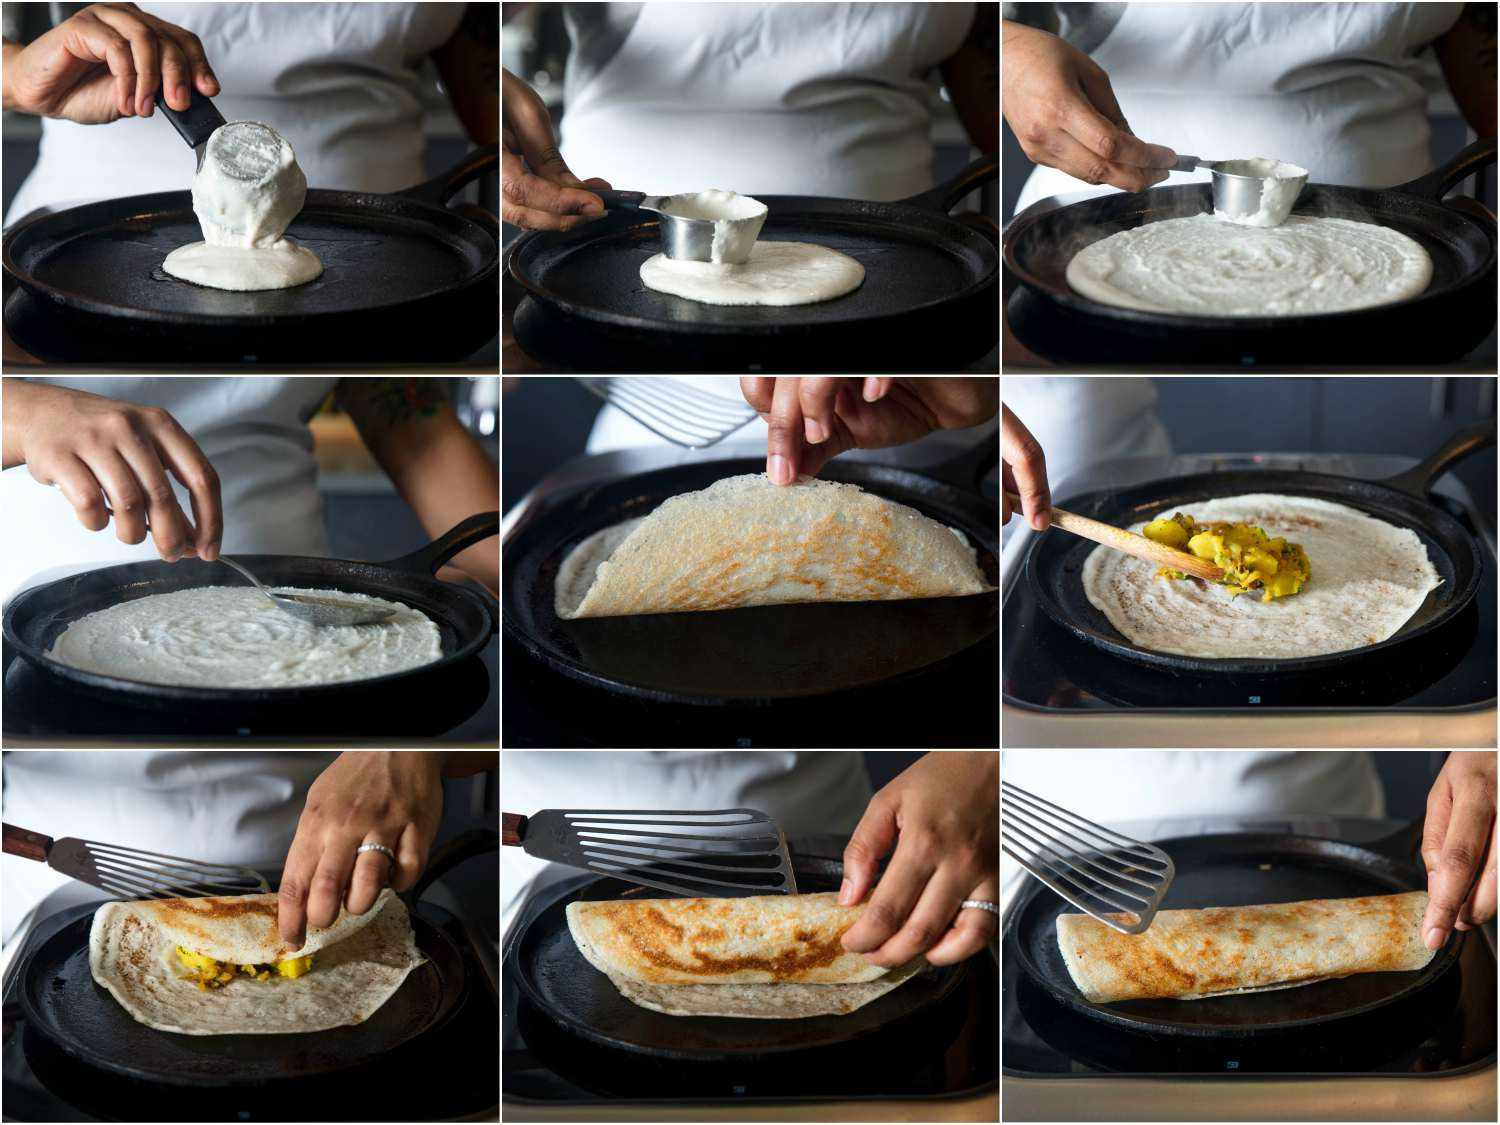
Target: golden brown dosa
760	957
1191	954
745	541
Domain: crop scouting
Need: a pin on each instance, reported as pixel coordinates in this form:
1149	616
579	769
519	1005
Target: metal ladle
316	610
1239	188
685	239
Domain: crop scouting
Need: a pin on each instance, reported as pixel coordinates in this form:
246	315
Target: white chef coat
341	82
614	429
216	806
1340	89
788	99
254	432
1080	422
1132	791
807	792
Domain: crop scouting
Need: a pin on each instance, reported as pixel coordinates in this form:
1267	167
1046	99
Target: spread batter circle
232	636
776	273
1204	267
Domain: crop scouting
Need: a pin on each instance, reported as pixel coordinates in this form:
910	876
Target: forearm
470	67
10	51
16	392
1467	54
435	464
446	479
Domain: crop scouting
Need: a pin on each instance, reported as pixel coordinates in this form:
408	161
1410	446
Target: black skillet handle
427	559
1417	480
196	123
1402	845
619	200
466	845
1435	184
444	186
968	469
945	195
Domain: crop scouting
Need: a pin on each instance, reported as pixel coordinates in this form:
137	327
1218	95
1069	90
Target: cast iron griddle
1455	312
571	992
63	1002
1054	564
752	654
1238	870
34	619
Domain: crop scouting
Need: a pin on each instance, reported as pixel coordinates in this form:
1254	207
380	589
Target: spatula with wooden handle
1118	539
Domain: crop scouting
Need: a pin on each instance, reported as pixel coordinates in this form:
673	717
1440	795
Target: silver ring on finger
381	848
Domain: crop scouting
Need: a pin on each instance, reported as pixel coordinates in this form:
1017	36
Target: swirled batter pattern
1204	267
230	636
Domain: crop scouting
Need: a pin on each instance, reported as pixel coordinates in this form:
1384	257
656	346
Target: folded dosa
745	541
1191	954
359	962
762	957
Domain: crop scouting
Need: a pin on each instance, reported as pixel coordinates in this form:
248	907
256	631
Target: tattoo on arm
397	401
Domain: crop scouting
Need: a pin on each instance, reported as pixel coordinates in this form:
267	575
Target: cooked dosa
745	541
1368	578
760	957
358	964
1226	950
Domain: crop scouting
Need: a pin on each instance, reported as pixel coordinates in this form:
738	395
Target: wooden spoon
1118	539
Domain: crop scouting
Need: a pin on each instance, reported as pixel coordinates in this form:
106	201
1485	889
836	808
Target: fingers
1465	844
538	190
533	203
372	872
1028	466
872	840
785	436
190	466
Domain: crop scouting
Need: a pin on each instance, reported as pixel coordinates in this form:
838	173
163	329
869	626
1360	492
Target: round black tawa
1454	313
1054	564
64	1004
403	277
573	994
929	294
1239	870
761	653
34	619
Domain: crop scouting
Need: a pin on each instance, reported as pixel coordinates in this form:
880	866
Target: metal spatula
1095	868
724	852
130	873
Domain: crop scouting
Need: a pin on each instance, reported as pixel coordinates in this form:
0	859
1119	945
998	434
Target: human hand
813	420
393	798
1023	470
942	816
1458	841
538	190
1062	109
107	62
94	448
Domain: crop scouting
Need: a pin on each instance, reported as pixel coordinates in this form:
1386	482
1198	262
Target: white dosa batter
1206	267
249	189
231	636
777	273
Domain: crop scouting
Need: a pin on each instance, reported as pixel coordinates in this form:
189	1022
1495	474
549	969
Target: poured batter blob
231	636
777	273
1205	267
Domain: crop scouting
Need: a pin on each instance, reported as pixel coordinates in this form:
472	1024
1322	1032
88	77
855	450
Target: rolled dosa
1224	950
745	541
761	957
